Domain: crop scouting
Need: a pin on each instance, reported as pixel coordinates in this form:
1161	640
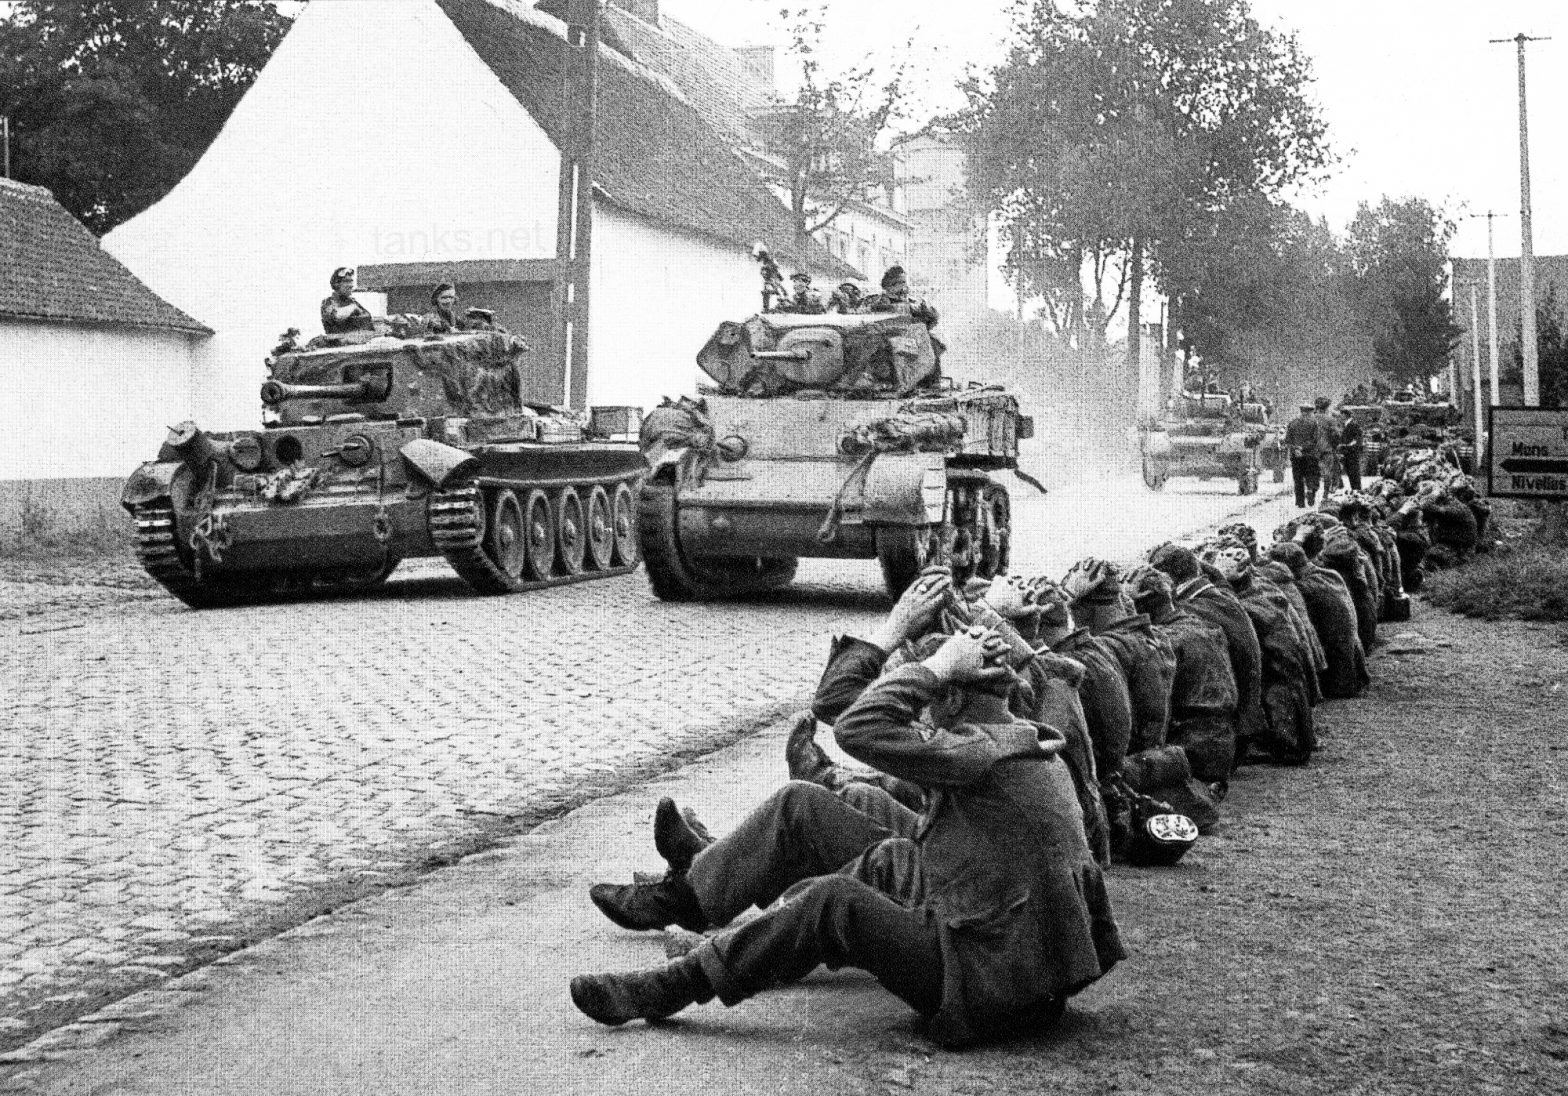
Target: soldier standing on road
1352	448
341	313
1303	440
1328	451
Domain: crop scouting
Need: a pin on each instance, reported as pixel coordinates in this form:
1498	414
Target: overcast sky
1418	102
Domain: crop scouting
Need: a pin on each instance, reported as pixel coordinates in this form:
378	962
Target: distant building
734	90
419	141
95	365
948	257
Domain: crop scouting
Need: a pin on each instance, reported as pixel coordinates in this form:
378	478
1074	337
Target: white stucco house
418	140
94	365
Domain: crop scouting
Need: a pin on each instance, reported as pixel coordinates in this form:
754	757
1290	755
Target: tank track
158	550
458	527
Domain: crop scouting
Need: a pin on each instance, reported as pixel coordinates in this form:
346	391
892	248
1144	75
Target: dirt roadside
1387	920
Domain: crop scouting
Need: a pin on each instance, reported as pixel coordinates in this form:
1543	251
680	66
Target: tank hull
307	520
781	483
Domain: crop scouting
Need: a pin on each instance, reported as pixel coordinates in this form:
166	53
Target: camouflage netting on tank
906	432
679	426
479	371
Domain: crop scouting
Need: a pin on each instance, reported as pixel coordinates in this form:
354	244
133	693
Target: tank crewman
846	298
802	300
1352	448
1303	438
341	313
984	914
895	298
443	319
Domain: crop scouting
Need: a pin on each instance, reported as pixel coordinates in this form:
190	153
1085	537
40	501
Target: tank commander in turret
443	317
341	313
803	300
895	298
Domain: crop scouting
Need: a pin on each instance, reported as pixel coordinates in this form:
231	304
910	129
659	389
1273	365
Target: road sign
1529	453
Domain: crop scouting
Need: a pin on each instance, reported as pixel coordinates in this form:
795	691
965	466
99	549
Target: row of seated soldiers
1013	736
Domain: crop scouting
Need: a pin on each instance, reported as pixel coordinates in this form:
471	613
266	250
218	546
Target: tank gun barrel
782	355
275	392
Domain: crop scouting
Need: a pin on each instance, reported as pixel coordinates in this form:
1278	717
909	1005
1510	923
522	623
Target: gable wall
374	135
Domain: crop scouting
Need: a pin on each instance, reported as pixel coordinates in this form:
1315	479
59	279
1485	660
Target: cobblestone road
174	783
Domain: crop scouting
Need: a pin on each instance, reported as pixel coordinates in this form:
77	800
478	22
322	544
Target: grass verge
1528	581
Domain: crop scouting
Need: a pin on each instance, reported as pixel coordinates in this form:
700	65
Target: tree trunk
1134	320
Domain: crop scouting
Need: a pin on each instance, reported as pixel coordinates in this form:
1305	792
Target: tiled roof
721	85
53	269
654	154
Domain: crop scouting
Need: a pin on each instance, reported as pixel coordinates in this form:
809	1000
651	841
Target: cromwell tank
381	450
825	436
1203	435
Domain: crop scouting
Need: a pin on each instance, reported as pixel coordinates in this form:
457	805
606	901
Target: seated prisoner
984	915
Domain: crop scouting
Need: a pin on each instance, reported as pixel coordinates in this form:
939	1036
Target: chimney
759	59
646	10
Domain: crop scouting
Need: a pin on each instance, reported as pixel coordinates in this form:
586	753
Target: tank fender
152	481
906	489
1157	443
437	462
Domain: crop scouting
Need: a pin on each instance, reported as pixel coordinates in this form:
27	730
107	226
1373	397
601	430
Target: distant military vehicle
378	449
1207	436
825	435
1402	423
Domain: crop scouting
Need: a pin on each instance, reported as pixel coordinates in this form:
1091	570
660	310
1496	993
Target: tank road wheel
675	576
571	530
904	551
623	525
458	527
996	531
539	530
506	542
1154	474
601	530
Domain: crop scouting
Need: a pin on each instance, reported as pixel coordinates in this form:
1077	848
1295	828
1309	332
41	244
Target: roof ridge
544	21
36	190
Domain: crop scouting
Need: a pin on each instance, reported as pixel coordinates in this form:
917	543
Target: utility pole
1532	368
5	142
574	198
1475	368
1491	297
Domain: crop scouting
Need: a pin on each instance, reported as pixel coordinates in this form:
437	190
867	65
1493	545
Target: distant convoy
1212	435
828	431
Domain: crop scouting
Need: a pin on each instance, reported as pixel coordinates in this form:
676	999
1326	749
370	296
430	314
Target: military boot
678	836
806	760
641	906
614	999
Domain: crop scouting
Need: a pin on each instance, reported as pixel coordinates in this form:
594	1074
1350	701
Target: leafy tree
112	101
833	139
1399	255
1115	128
1551	351
1270	299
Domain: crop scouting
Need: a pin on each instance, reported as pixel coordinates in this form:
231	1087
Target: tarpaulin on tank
479	370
